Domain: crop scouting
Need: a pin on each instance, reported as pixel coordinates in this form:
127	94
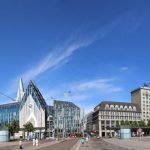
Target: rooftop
104	103
145	87
8	105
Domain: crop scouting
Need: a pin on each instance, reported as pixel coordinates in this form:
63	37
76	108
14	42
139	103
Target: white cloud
82	92
101	85
124	68
54	59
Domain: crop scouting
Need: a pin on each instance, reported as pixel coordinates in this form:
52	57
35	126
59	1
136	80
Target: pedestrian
37	142
33	141
20	144
82	141
87	139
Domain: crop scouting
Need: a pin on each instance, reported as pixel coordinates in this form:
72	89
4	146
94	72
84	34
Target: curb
76	146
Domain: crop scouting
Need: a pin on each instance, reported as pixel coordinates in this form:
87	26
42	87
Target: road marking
77	148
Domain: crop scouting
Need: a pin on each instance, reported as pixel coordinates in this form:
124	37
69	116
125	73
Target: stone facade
141	96
108	114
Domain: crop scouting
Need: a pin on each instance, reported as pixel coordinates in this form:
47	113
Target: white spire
20	92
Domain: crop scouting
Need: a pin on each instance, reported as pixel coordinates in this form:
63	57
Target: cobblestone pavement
99	144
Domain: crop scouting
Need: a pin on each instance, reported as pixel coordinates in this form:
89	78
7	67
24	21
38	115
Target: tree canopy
13	127
28	127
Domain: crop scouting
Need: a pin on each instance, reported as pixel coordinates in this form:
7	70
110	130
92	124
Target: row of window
118	113
120	117
121	107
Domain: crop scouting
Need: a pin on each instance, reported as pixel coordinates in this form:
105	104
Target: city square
74	75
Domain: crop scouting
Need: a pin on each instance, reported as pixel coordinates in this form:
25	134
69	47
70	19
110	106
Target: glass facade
62	117
8	112
66	117
50	121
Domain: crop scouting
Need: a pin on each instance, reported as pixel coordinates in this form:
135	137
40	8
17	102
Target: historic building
66	117
141	96
108	114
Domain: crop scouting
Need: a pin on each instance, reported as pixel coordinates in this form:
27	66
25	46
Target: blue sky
98	50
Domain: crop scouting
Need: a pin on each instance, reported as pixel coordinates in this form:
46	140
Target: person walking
37	142
33	141
87	140
20	144
82	141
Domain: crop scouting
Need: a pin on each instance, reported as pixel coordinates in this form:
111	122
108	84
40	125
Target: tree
126	122
13	127
148	123
142	123
134	126
28	127
122	123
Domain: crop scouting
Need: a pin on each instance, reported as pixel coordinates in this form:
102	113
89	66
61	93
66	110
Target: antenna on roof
146	85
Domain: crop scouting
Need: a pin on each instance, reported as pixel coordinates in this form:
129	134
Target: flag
67	93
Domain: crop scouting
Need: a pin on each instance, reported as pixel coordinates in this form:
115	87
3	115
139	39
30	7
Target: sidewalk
131	144
27	145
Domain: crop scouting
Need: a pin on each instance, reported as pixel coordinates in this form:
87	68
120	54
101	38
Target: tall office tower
141	96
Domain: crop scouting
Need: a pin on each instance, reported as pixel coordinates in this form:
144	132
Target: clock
30	105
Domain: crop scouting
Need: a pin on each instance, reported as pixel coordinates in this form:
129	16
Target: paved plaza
136	143
75	144
99	144
43	145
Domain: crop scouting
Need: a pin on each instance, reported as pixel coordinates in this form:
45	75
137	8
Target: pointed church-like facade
20	92
33	108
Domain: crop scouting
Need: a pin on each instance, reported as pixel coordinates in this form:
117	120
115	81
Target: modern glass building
66	117
8	112
50	121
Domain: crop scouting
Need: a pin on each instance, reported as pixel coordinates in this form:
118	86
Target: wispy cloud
124	68
102	85
83	91
54	59
62	53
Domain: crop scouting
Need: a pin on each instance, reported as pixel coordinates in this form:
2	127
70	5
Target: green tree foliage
13	127
117	124
148	123
126	122
134	124
28	127
122	123
142	123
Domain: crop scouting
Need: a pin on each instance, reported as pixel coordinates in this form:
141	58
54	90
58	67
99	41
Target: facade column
105	129
100	128
110	128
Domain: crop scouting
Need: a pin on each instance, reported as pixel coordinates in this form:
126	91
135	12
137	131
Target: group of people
85	140
35	142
